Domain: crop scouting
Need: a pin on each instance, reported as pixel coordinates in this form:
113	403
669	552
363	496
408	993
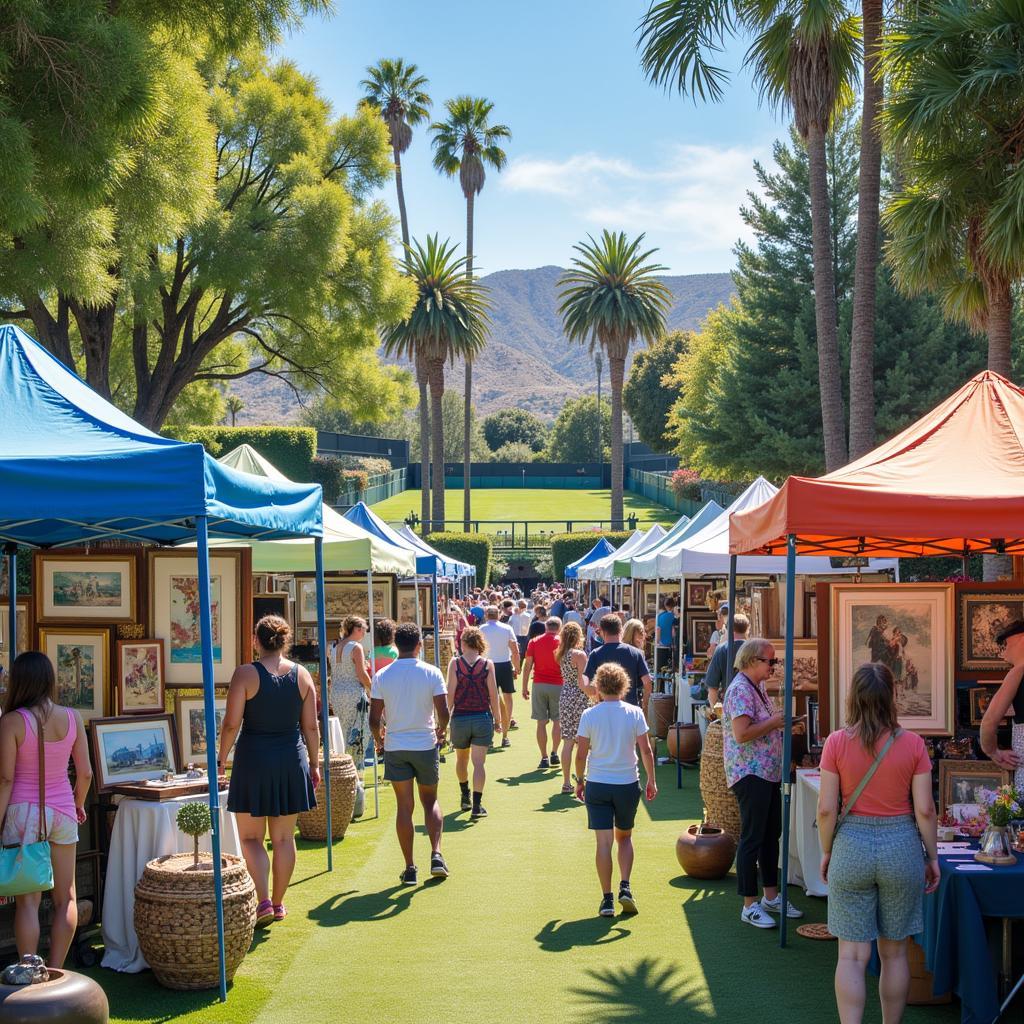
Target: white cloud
689	202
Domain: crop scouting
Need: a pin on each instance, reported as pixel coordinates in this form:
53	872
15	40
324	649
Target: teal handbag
27	868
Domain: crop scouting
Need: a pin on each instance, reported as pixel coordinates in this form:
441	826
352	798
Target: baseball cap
723	608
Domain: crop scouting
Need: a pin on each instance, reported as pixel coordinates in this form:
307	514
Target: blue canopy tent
75	469
600	550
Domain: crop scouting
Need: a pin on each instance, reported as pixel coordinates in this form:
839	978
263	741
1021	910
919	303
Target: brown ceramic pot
684	742
705	851
67	998
661	711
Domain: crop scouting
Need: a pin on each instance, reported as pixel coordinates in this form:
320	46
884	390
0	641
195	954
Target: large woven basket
176	919
313	824
720	806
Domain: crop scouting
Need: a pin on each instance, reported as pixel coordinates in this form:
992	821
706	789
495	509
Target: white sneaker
755	915
775	906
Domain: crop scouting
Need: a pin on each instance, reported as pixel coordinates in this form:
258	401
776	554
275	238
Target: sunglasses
771	661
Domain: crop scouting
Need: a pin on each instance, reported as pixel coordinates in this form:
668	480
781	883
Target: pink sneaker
264	914
279	912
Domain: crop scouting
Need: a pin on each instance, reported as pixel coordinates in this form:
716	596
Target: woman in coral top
876	869
30	712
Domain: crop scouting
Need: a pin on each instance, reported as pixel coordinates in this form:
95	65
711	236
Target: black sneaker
544	764
408	876
478	812
438	868
607	908
555	762
466	802
626	900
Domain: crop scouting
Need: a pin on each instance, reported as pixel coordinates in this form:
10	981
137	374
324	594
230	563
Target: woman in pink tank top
30	712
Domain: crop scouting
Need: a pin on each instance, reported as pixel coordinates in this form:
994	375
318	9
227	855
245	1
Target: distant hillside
528	362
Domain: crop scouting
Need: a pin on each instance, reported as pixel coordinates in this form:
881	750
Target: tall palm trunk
833	416
616	376
467	501
862	332
999	326
402	215
436	373
421	383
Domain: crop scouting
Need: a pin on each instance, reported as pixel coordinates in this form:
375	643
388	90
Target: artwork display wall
343	597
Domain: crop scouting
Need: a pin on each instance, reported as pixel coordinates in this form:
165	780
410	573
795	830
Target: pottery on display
705	851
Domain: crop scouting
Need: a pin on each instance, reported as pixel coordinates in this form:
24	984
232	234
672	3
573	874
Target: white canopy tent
602	569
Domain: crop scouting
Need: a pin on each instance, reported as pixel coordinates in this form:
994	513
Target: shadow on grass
537	775
561	936
649	990
352	906
559	803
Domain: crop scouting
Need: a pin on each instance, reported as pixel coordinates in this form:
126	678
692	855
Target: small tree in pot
194	821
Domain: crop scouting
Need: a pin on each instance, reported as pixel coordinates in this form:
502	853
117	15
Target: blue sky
593	145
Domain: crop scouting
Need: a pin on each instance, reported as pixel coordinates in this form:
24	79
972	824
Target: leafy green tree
573	435
646	399
397	91
234	406
513	451
448	321
515	426
466	144
609	299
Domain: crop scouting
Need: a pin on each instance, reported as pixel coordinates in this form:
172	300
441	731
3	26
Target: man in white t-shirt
503	650
413	696
520	622
608	781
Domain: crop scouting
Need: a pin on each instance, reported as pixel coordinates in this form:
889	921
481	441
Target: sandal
279	912
566	789
264	914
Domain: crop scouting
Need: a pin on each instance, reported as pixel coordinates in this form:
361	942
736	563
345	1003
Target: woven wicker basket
313	824
176	919
720	806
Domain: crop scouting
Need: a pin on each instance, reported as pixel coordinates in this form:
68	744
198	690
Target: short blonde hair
749	653
611	680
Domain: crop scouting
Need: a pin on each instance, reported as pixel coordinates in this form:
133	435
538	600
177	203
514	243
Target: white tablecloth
337	739
144	830
804	847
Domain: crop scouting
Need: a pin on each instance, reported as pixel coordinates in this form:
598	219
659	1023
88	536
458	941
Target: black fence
393	448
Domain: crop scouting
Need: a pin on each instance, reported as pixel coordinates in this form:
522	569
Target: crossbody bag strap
879	757
42	778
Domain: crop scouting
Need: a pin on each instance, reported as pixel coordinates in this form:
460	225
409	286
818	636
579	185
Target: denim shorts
472	730
876	879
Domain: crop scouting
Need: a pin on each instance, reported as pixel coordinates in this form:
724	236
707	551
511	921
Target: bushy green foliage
194	820
514	426
573	437
567	547
514	451
289	449
474	548
645	397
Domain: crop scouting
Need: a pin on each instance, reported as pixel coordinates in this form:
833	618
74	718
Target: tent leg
321	635
732	605
437	621
657	612
376	784
787	736
206	631
364	718
11	550
416	594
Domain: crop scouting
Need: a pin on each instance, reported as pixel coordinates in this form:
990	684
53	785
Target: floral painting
982	614
141	675
186	644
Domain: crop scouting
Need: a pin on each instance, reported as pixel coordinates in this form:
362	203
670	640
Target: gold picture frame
80	656
84	588
959	781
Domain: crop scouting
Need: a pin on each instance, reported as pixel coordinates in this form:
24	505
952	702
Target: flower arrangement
1003	805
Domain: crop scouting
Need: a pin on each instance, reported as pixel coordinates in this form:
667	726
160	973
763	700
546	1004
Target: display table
144	830
337	739
804	846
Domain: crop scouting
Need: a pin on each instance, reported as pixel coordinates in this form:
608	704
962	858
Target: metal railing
520	534
658	487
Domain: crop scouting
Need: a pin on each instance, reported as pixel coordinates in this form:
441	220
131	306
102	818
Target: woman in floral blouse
752	733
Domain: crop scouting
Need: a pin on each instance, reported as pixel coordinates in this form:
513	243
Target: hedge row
567	547
289	449
474	548
341	486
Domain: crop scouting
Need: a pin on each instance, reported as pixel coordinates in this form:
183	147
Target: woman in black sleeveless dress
274	774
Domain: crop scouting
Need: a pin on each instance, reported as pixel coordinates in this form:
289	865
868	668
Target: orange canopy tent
950	484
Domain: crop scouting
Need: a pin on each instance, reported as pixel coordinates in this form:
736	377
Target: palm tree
448	321
803	55
234	405
398	92
610	298
466	144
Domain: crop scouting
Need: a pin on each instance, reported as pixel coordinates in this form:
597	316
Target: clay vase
684	742
661	712
705	851
67	998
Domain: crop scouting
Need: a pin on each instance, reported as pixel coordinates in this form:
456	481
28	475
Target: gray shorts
876	879
405	765
472	730
544	702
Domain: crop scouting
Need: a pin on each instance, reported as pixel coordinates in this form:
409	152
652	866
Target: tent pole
11	550
437	620
730	619
325	738
206	647
416	593
787	736
373	670
657	612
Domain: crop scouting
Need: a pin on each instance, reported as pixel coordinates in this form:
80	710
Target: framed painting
649	599
961	782
805	665
344	597
982	611
980	697
699	630
405	605
190	713
174	614
810	614
81	661
697	593
132	749
24	632
83	588
140	677
270	604
814	741
907	627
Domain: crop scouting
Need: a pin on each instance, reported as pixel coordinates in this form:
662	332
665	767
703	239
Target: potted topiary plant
176	911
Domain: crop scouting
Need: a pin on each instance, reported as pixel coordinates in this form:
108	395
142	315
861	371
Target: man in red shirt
541	664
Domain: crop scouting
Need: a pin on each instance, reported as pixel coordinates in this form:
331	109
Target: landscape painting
190	713
80	663
132	749
982	613
406	606
344	597
75	587
805	664
908	628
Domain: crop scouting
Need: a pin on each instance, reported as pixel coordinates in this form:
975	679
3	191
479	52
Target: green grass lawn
506	504
513	934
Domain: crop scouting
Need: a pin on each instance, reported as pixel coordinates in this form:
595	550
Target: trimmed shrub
567	547
328	473
289	449
686	484
474	548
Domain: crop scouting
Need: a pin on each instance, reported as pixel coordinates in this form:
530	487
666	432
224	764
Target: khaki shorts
405	765
544	702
